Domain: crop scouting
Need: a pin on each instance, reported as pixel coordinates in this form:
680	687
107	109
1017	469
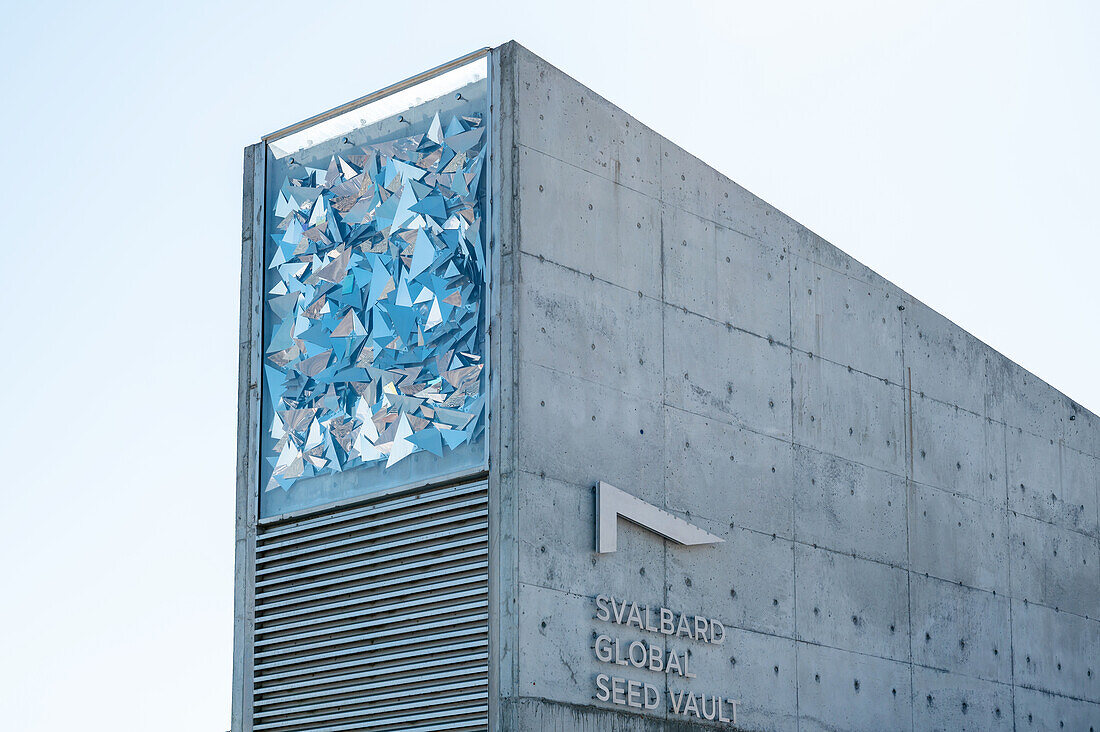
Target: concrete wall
910	519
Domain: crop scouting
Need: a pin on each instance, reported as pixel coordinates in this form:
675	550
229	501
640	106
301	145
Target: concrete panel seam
964	674
955	494
1048	692
511	244
1025	514
819	451
771	340
794	523
777	438
652	402
657	199
907	426
851	369
730	326
1011	633
534	149
875	468
816	263
664	368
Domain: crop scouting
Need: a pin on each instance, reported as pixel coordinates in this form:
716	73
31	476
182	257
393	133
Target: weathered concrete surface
910	520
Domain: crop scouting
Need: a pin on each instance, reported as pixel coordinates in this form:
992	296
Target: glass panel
375	305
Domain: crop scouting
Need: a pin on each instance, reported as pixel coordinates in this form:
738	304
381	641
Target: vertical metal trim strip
502	473
248	422
492	262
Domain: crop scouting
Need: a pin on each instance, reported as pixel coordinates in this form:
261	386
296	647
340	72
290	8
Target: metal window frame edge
376	95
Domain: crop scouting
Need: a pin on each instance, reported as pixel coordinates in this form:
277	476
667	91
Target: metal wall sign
661	638
612	503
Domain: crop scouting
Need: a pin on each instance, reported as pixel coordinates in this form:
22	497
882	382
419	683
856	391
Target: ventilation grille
375	617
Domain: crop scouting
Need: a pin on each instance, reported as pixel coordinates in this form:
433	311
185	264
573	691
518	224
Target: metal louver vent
375	617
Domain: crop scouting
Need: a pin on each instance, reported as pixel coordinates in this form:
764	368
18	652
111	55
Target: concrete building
485	312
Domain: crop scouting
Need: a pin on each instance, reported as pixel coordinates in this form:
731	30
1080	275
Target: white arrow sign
611	503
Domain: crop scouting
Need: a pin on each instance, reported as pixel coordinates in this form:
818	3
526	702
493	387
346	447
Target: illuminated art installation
375	349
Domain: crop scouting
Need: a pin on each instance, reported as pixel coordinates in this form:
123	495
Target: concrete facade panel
853	604
566	121
1080	473
1054	566
807	246
555	645
849	414
947	364
960	629
728	474
1082	432
689	184
1051	482
845	320
1039	711
850	691
849	508
716	371
746	582
958	539
1054	482
555	555
958	451
569	429
588	223
1056	652
1030	403
761	669
946	702
725	275
594	330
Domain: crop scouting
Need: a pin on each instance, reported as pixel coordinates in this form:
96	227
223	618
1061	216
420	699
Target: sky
951	146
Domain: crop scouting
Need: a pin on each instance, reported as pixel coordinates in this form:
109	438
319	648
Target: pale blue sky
951	146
